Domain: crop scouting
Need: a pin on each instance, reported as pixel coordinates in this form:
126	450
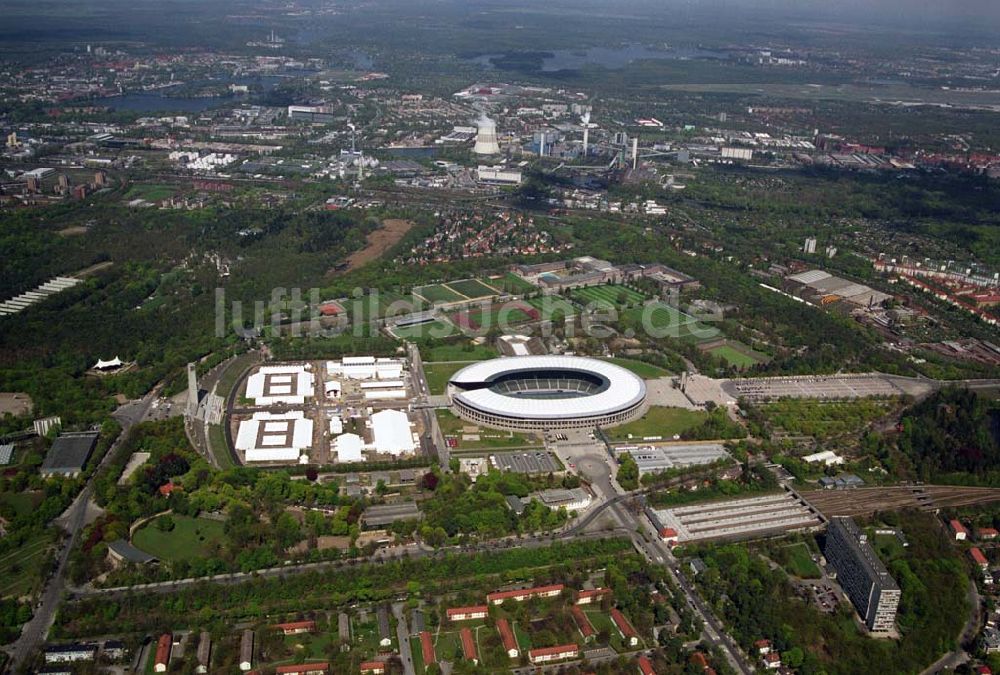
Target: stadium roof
622	388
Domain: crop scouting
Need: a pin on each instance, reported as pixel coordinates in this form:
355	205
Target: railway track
865	501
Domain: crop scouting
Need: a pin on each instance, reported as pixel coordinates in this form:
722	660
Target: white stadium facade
536	393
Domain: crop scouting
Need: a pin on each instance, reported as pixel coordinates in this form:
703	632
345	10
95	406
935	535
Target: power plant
486	137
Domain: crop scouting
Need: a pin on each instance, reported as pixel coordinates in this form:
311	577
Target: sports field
485	318
664	321
438	293
552	307
438	328
511	283
472	288
611	295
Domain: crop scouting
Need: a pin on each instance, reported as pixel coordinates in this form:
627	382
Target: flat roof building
392	433
69	454
862	575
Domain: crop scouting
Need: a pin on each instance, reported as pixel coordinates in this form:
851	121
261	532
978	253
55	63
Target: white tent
392	432
348	448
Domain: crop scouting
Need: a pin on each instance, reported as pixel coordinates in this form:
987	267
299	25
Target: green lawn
438	293
191	538
488	438
461	350
21	502
220	448
665	321
417	652
733	357
659	421
20	569
644	370
438	375
472	288
798	561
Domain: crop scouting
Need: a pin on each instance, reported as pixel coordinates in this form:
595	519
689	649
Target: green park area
659	421
821	419
797	560
22	568
438	374
176	537
151	192
457	350
733	356
644	370
454	427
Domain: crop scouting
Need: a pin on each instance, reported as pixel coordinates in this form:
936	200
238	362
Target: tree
165	524
628	473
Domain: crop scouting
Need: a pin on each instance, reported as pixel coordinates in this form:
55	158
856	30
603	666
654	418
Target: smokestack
541	146
635	152
586	140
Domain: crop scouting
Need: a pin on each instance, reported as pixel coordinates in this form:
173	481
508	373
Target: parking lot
533	461
830	387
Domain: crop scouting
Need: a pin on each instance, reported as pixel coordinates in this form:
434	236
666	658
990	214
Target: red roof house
624	627
645	667
427	647
507	637
978	557
296	627
469	646
585	597
582	622
163	653
318	668
522	594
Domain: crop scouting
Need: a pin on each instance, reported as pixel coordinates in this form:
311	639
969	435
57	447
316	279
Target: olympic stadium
536	393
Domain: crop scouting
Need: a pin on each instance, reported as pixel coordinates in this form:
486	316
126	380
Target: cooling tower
486	138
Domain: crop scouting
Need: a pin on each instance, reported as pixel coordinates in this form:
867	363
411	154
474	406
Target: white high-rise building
486	138
810	245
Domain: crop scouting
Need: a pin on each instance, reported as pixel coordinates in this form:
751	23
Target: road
656	552
422	395
403	636
34	633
